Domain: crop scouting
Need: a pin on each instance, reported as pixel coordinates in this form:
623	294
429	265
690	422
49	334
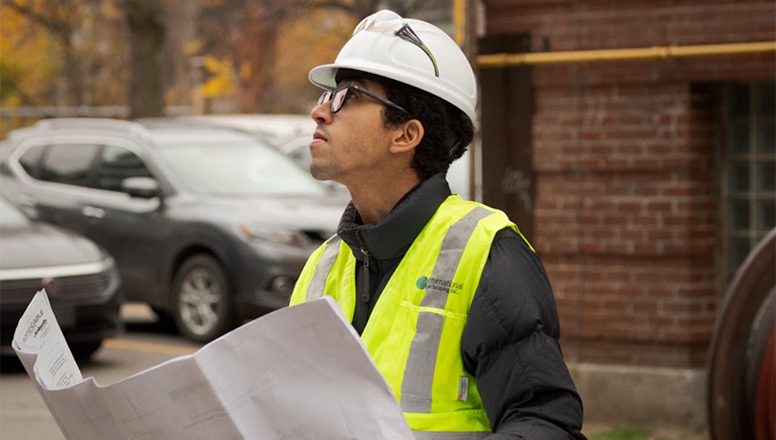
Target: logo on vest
437	284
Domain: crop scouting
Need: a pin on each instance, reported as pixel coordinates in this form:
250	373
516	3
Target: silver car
80	279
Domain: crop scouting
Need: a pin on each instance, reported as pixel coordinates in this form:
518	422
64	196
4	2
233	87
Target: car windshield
10	215
237	167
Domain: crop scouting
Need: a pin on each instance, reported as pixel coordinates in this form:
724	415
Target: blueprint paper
298	373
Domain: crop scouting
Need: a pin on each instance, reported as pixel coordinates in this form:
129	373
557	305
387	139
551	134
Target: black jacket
510	343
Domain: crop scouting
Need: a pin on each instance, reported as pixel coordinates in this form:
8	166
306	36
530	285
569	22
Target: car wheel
82	351
202	308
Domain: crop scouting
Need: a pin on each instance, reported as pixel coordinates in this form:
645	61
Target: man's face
351	144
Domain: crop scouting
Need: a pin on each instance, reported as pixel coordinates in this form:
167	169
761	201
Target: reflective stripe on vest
419	370
318	283
449	435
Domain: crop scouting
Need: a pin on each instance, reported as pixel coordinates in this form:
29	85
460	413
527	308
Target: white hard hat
409	51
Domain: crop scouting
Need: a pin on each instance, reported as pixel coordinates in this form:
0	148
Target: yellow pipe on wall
459	20
645	53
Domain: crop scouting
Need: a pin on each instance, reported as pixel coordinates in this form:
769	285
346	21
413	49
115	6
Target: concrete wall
662	398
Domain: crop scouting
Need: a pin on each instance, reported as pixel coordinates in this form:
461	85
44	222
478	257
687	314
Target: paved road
24	416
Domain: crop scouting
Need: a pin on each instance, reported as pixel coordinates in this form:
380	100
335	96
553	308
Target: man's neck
375	199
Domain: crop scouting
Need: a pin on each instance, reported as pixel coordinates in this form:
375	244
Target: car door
75	182
133	229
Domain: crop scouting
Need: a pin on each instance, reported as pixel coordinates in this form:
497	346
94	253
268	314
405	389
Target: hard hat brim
324	75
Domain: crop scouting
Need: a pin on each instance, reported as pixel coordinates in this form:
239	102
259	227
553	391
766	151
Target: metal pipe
644	53
459	20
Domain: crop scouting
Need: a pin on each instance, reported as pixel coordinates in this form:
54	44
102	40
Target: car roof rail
93	123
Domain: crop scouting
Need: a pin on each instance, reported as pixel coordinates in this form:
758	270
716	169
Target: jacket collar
391	237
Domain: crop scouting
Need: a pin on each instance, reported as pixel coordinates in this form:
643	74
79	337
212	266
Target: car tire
202	307
82	351
164	319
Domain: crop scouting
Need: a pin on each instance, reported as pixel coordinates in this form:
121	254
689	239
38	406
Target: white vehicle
282	131
291	134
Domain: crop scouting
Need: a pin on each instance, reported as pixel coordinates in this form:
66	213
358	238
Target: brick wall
625	156
604	24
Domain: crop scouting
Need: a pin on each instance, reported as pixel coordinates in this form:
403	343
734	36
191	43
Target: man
450	300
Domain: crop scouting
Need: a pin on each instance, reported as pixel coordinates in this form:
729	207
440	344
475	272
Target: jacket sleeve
510	344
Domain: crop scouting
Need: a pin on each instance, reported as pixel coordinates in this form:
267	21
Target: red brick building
642	182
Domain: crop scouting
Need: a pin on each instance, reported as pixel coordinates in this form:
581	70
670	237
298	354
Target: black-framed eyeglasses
345	91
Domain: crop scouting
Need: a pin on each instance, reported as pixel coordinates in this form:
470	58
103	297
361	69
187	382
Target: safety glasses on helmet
345	91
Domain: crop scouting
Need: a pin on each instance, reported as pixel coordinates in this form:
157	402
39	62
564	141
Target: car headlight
281	236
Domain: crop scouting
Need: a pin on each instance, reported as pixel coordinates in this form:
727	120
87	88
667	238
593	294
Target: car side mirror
141	187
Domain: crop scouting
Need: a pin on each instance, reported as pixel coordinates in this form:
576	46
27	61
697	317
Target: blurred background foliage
201	56
62	52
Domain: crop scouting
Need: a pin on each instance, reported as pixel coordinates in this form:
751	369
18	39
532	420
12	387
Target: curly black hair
448	131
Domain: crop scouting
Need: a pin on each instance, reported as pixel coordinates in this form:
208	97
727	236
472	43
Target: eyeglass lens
337	98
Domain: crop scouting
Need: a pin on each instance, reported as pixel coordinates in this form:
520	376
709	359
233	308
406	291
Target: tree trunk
267	72
73	74
146	25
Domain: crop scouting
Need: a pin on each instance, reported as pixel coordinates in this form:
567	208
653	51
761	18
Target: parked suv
207	225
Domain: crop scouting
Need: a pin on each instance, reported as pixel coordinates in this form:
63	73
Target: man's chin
321	173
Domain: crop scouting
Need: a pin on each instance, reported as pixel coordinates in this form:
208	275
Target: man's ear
407	136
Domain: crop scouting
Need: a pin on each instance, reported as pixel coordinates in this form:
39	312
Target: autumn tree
259	51
311	38
146	27
91	40
60	19
152	53
64	53
180	46
238	42
24	79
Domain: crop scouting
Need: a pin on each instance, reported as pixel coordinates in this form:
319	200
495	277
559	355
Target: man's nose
321	113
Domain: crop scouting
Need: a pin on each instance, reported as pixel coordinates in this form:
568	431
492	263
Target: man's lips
318	138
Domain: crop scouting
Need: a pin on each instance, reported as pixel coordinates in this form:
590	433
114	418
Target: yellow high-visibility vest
414	332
